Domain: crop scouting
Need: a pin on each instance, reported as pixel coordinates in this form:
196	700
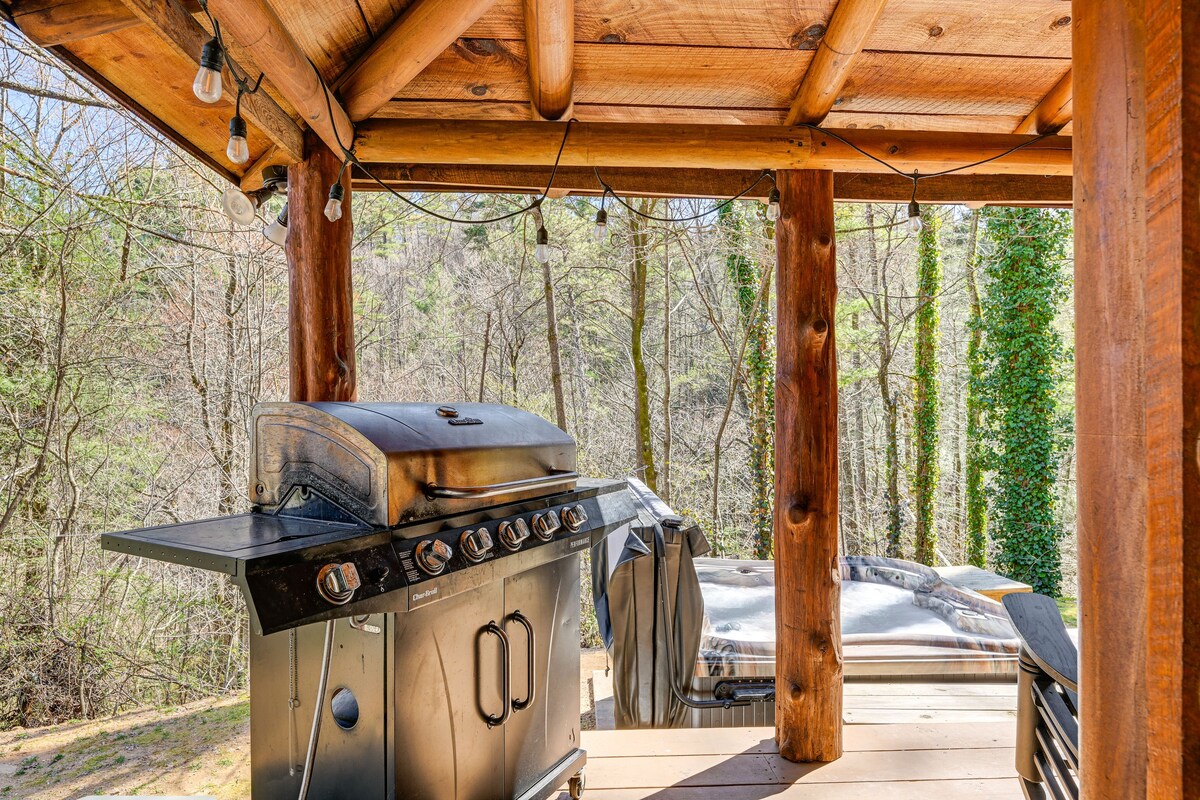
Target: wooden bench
1047	700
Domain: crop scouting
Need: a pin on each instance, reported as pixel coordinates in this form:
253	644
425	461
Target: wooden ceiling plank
70	21
550	43
1054	111
186	36
401	52
256	26
714	183
704	146
852	22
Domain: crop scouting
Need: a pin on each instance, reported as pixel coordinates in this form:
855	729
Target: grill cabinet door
539	736
447	677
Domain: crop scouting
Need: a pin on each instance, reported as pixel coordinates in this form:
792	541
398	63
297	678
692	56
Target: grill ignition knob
513	534
574	518
337	582
475	544
546	525
432	555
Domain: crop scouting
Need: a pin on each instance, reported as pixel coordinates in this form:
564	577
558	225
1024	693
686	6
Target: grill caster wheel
577	784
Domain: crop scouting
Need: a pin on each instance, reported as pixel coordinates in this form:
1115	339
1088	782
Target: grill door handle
494	489
499	633
531	655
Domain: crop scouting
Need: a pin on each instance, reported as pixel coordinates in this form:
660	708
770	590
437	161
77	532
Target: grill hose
322	684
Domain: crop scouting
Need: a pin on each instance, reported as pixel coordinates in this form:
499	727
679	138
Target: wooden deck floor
906	741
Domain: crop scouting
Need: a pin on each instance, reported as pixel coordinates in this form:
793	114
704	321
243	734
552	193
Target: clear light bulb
237	150
276	232
207	86
600	232
773	205
238	206
914	217
333	208
542	252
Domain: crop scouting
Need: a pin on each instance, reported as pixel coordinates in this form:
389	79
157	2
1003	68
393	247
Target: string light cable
610	192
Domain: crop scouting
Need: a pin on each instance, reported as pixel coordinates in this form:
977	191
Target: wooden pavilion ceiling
972	66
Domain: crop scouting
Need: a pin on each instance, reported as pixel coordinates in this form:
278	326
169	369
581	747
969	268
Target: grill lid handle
493	489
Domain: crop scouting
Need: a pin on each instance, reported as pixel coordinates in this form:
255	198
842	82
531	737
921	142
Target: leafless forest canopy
138	327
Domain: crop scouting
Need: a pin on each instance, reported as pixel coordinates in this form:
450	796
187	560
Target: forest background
138	328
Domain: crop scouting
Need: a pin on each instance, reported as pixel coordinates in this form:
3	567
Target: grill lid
391	463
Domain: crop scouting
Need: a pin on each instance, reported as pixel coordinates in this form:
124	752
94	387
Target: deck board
973	761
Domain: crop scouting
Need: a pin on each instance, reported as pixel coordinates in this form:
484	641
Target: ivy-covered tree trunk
1024	356
759	365
976	500
926	410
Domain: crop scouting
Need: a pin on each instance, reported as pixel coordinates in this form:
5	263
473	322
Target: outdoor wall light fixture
242	207
276	232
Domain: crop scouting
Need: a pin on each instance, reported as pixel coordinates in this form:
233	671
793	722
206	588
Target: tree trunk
556	381
976	501
927	406
644	438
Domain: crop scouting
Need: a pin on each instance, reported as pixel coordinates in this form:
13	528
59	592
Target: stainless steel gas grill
440	546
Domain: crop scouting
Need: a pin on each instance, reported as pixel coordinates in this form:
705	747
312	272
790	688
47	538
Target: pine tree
1024	357
926	410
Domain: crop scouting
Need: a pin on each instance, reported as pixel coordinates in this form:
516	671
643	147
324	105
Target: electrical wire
608	190
350	157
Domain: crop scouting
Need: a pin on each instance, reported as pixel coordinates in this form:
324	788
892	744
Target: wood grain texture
985	27
1110	318
1053	112
320	308
702	146
550	43
1172	374
923	83
172	22
808	660
403	51
849	27
256	26
716	183
333	33
51	23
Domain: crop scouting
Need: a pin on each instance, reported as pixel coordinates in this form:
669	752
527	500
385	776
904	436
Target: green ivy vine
926	406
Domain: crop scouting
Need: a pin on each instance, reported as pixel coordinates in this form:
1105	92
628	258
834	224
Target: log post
320	310
808	644
1137	312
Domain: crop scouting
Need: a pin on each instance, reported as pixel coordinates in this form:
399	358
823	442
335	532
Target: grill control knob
432	555
546	525
337	582
513	534
475	544
574	518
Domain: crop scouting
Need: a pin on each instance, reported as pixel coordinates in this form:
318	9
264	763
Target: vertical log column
808	649
1137	311
320	312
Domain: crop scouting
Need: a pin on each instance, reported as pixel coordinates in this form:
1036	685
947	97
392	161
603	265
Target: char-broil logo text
425	594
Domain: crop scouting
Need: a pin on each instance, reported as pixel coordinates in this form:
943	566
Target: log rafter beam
610	144
715	183
172	22
550	44
849	26
1053	112
257	28
400	53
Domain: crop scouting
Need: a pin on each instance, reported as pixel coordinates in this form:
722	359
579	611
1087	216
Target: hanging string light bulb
542	251
276	232
237	150
914	209
600	232
333	208
773	204
207	86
